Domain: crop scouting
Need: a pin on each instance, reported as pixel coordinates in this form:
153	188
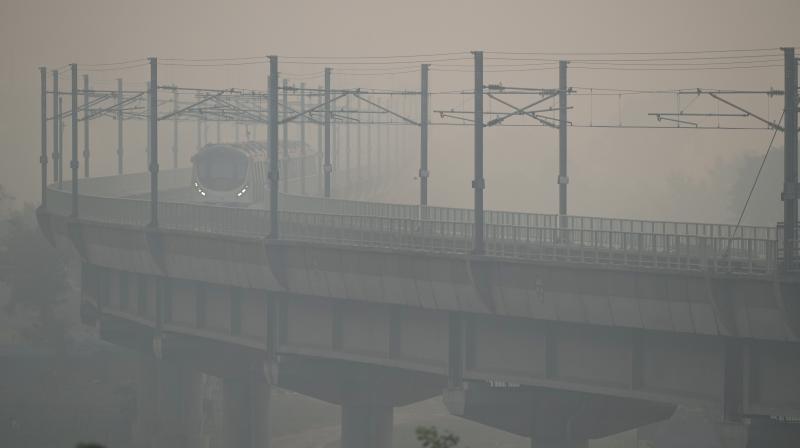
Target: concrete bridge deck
548	332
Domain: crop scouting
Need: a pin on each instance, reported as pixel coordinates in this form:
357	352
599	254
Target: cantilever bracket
389	111
790	191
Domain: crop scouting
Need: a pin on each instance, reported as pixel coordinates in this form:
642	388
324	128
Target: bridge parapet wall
642	250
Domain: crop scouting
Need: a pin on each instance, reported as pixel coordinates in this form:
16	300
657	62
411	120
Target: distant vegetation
429	437
35	274
720	195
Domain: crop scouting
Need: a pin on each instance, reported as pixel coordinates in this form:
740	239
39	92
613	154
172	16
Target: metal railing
635	243
795	245
448	214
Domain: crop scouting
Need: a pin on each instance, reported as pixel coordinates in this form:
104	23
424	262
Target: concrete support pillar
367	394
733	435
146	403
367	425
552	418
180	406
246	413
759	432
169	405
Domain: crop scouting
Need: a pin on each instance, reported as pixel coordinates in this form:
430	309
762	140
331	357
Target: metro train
235	174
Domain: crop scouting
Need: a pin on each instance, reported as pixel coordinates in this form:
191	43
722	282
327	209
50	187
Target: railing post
85	125
119	126
328	167
153	139
73	164
43	155
478	183
273	146
423	137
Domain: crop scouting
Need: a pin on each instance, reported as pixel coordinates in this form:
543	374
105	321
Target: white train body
235	174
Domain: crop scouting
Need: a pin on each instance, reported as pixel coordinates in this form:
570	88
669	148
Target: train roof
257	150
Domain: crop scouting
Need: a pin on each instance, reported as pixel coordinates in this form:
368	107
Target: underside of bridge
552	418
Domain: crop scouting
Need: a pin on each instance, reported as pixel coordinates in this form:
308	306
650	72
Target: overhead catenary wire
110	64
499	63
702	60
627	53
122	68
682	69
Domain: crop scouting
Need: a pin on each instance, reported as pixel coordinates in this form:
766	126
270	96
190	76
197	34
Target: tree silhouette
35	272
429	437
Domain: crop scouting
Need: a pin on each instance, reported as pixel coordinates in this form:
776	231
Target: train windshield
221	169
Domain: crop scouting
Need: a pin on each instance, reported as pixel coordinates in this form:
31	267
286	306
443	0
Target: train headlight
241	192
199	189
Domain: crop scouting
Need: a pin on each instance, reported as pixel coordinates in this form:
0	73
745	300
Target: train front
221	175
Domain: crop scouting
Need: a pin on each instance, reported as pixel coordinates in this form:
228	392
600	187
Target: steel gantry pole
302	139
478	184
205	128
43	155
396	130
73	164
147	149
358	169
85	125
423	136
378	141
347	167
320	149
60	142
119	126
175	129
563	179
328	167
56	125
273	147
387	125
153	139
199	134
334	148
791	189
368	171
285	139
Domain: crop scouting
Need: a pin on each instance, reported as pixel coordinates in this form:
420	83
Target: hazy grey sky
613	171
